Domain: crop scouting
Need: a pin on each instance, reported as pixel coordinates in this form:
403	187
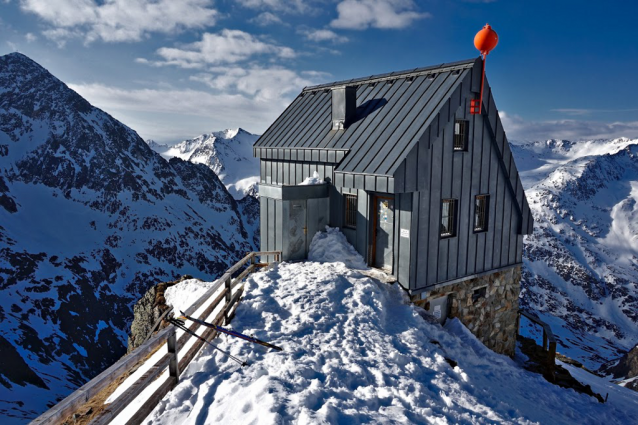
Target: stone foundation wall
492	317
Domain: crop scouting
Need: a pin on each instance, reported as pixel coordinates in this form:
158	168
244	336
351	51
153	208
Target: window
350	219
460	134
448	218
479	293
480	212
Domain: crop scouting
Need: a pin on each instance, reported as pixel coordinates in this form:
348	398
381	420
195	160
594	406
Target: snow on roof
353	352
315	179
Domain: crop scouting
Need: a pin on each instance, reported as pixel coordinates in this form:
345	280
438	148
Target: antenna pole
476	105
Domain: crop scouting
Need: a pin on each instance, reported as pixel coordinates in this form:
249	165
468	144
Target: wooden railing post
544	339
551	358
173	365
228	298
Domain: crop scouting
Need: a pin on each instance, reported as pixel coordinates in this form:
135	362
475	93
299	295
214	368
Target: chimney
344	106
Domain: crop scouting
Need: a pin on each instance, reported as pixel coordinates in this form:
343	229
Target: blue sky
173	69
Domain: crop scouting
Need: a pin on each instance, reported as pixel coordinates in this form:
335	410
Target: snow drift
355	352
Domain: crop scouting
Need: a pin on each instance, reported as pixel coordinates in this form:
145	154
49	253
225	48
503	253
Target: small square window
460	134
481	203
479	293
448	218
350	211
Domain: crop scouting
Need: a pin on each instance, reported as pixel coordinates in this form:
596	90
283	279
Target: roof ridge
444	67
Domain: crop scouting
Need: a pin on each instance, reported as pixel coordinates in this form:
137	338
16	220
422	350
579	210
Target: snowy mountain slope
354	351
228	153
90	218
581	262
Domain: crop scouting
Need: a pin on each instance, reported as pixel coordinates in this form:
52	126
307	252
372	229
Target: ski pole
230	332
180	325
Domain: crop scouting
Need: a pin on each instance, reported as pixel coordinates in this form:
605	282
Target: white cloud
228	46
324	35
168	114
250	98
119	20
12	46
274	85
287	6
30	37
267	18
384	14
518	128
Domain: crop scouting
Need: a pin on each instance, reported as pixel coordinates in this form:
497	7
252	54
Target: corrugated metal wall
430	172
293	172
434	171
271	222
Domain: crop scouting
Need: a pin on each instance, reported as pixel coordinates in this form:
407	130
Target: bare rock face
147	312
624	368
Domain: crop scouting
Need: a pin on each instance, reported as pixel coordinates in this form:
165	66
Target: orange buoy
485	40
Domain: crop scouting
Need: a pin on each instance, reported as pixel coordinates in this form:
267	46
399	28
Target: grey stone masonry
487	306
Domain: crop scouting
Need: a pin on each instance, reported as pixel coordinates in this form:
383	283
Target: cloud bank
520	129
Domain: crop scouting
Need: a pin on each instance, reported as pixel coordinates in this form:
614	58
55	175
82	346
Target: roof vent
344	106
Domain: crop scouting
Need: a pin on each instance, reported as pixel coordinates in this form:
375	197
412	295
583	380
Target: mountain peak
19	59
227	133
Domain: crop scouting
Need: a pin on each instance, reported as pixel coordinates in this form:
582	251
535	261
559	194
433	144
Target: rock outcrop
147	311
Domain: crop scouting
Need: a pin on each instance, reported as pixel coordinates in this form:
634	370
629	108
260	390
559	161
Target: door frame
373	224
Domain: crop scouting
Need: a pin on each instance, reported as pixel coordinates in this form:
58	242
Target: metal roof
393	110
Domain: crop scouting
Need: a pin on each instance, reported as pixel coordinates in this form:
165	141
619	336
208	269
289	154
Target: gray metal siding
363	218
271	221
438	172
401	143
402	244
290	173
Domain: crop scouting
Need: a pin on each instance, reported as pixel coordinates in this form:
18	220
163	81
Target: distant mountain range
90	218
581	262
228	153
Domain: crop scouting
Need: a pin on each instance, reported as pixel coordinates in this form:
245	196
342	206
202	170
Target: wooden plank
132	392
152	402
71	403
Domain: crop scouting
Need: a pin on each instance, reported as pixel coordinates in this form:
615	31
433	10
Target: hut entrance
383	232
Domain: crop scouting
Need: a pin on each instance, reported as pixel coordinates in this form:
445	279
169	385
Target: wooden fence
549	342
62	411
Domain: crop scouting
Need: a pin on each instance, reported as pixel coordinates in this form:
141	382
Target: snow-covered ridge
581	263
228	153
354	351
90	218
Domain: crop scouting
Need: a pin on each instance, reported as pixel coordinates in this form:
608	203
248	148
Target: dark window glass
448	218
460	135
479	293
350	211
480	212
